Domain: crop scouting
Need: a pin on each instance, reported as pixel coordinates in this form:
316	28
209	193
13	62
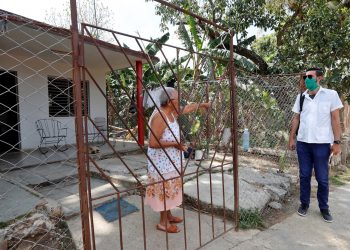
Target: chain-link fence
267	169
38	171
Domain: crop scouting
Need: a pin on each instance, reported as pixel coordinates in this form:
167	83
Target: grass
339	179
4	224
249	219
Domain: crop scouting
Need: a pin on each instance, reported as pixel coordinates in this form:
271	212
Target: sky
135	17
130	16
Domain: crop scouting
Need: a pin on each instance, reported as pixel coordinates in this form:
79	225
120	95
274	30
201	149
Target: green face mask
311	84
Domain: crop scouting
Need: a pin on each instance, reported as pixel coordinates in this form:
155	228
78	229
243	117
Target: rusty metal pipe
84	208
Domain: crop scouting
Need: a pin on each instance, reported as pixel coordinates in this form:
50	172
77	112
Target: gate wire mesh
38	173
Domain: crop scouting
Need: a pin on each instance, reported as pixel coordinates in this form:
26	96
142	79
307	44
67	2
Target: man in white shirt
318	137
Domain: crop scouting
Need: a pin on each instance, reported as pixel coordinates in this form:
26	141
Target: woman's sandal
175	220
170	229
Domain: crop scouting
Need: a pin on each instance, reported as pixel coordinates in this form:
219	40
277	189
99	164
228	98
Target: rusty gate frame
83	158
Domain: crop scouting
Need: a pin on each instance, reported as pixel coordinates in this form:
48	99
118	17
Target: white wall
33	74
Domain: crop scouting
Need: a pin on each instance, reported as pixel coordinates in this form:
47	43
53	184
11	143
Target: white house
35	78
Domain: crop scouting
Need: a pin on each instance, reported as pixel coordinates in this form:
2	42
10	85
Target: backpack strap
301	102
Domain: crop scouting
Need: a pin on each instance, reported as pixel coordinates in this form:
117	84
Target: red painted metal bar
139	103
84	208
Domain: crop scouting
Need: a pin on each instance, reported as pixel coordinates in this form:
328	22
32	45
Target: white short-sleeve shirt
315	118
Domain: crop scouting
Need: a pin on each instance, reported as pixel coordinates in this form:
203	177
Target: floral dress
167	168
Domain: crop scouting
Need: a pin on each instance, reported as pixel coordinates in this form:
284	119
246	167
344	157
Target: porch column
139	103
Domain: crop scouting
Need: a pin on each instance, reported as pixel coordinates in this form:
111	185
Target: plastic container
245	143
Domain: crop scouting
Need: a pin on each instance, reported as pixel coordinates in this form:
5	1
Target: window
61	97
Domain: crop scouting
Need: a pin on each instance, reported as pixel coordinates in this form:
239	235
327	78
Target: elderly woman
166	137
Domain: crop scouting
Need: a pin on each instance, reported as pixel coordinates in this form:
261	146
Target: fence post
139	103
84	208
234	135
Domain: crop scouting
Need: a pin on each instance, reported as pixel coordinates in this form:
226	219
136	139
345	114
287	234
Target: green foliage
340	179
307	33
310	33
282	162
266	47
257	107
250	219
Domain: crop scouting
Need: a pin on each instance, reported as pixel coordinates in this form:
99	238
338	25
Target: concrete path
107	234
297	232
15	201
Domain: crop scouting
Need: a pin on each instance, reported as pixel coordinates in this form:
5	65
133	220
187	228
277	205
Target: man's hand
291	143
335	149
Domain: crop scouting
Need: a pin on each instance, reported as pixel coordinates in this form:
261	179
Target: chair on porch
93	132
52	133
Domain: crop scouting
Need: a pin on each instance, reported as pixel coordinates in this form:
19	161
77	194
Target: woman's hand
205	105
181	147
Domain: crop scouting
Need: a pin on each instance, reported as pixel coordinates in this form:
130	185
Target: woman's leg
164	224
172	218
164	218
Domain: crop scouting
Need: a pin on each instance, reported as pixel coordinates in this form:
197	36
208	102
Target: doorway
9	112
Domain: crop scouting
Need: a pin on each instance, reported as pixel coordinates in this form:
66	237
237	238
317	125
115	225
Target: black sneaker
326	215
303	210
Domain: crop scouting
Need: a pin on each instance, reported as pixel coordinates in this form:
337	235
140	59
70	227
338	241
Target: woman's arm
194	106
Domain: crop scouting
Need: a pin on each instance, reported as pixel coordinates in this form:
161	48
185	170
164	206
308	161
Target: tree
237	15
306	33
89	11
310	33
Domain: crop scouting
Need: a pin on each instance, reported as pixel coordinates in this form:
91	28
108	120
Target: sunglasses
308	76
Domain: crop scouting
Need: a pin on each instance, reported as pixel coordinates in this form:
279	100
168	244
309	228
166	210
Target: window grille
61	102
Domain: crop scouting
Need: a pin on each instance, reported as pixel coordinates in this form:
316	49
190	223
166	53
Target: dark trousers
313	155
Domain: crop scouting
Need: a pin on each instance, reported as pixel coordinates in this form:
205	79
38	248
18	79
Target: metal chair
51	132
93	132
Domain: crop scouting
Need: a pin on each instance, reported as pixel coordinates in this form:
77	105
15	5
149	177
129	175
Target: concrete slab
15	201
276	193
47	173
22	159
66	193
107	234
261	178
116	166
251	197
137	158
29	158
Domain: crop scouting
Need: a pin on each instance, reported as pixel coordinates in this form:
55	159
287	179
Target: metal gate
209	185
